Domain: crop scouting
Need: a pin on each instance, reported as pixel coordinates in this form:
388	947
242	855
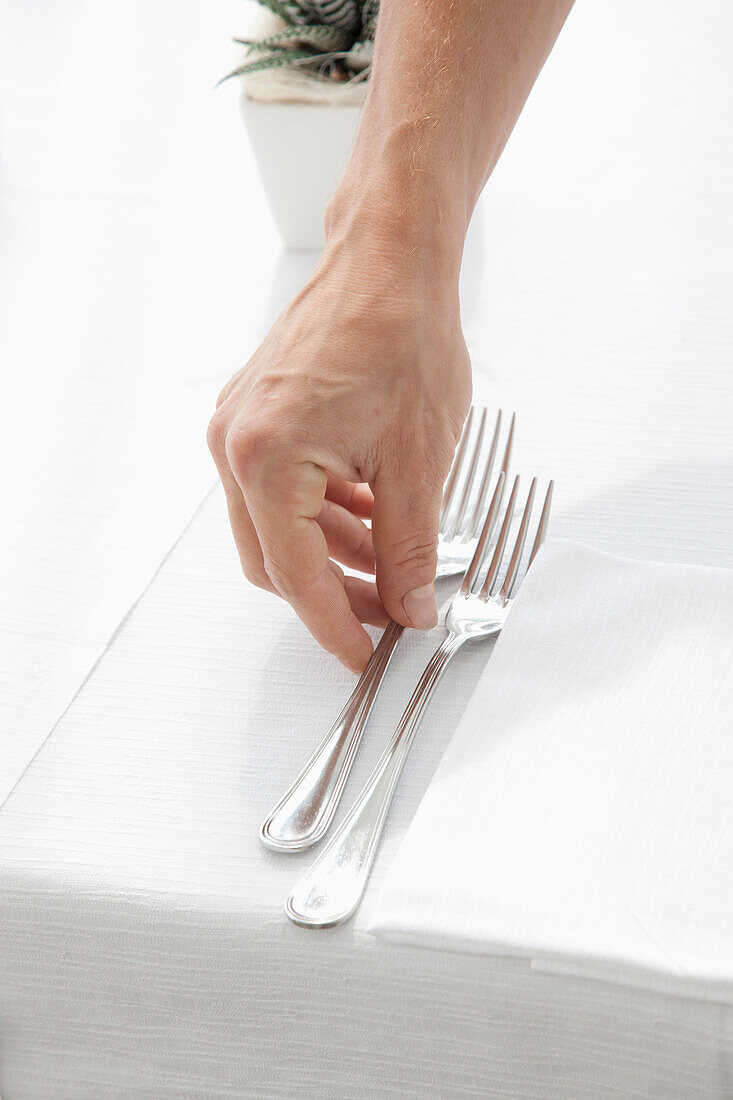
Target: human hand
361	387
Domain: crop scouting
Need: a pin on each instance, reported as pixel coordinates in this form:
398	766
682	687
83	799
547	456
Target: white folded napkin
582	815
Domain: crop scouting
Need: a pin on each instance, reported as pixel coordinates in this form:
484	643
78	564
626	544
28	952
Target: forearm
449	80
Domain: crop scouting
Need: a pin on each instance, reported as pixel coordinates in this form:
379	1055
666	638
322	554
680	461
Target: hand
361	387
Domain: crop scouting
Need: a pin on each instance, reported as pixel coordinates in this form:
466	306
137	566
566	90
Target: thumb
405	534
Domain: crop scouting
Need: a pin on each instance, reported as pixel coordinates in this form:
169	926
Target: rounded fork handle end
302	816
296	844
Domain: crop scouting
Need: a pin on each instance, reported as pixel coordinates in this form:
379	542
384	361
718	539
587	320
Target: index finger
284	497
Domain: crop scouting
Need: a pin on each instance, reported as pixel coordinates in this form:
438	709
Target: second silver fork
302	816
331	890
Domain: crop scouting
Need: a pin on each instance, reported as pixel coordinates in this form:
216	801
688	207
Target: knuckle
289	583
253	568
216	435
257	576
416	552
245	446
281	580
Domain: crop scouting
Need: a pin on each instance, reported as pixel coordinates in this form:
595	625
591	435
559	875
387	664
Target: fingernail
421	607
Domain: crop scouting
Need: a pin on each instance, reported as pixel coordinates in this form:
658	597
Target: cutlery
332	888
304	813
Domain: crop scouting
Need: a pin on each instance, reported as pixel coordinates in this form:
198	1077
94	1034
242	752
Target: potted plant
304	77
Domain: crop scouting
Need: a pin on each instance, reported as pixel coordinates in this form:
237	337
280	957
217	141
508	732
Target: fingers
405	533
284	500
362	595
357	499
243	529
348	539
364	598
365	601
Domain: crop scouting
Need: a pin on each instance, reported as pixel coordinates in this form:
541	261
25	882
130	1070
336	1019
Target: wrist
400	217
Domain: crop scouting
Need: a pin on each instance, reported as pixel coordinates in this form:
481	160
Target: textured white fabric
143	943
116	328
582	812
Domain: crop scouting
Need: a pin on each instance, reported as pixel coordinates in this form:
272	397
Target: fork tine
486	532
471	528
542	526
505	464
470	476
508	447
501	543
450	484
511	573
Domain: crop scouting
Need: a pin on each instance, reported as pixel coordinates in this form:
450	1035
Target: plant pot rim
246	97
297	88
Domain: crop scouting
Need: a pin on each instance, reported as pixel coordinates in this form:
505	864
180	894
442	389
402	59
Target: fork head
462	514
480	608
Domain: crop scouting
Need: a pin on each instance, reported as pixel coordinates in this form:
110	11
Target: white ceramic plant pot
301	150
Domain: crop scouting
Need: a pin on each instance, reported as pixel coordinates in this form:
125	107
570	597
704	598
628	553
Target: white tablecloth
144	946
124	305
143	949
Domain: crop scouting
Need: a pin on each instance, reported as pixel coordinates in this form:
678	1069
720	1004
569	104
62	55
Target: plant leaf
274	61
324	38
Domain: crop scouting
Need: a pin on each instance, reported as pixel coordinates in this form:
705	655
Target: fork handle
332	888
304	813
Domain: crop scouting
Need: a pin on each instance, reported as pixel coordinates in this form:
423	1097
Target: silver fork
304	813
332	888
